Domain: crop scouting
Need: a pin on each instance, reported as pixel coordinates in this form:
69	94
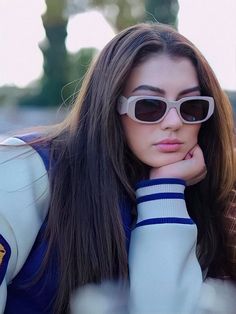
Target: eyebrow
162	91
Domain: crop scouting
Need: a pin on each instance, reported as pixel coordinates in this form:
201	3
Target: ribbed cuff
161	201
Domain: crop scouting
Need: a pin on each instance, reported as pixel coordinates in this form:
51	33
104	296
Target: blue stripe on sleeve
158	196
165	220
151	182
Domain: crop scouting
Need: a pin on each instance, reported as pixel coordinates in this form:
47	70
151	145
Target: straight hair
95	171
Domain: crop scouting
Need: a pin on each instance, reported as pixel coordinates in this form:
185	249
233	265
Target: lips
169	141
168	145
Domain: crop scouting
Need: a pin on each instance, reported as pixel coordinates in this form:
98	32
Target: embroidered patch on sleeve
5	252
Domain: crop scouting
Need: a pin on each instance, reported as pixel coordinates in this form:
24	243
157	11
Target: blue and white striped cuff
161	201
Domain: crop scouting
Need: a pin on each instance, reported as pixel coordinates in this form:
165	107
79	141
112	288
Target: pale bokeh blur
210	24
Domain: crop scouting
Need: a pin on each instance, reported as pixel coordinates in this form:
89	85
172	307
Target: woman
151	113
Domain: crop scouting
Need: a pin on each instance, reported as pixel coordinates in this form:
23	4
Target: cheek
136	134
191	135
195	131
140	138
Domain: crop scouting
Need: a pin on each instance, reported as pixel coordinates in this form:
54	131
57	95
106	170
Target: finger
196	150
197	157
188	156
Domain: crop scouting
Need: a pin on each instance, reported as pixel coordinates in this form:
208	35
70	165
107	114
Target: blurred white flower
106	298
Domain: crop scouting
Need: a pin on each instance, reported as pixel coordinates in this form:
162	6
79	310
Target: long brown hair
95	171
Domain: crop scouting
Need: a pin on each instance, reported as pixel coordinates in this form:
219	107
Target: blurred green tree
163	11
79	63
60	68
121	13
56	61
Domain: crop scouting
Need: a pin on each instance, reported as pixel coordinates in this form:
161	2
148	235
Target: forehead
163	71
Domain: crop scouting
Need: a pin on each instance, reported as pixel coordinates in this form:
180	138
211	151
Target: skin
171	78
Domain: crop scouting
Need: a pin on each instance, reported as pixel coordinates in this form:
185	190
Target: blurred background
47	46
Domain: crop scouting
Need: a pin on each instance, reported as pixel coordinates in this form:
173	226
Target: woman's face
173	79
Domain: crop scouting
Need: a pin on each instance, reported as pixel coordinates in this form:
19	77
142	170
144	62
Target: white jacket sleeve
24	195
165	275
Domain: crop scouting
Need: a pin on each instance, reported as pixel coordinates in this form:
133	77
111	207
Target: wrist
156	183
162	200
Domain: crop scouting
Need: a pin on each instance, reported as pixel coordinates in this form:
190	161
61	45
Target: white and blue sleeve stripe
162	255
165	201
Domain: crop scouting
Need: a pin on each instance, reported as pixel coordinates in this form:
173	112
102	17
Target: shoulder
20	165
24	194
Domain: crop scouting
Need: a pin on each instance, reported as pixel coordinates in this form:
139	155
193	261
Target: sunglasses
153	109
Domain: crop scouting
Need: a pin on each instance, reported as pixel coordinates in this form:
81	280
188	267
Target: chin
165	160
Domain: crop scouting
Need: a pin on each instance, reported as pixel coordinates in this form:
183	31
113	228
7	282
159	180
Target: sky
210	24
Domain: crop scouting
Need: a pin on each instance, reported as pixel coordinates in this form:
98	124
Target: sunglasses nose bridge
172	104
174	118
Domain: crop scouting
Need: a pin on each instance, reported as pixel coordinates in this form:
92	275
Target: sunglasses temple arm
122	106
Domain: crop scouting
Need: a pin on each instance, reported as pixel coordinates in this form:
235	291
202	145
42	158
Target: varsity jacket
165	276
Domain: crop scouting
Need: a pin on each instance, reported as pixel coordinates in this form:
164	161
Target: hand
192	168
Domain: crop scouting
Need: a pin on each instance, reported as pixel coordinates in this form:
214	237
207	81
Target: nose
172	120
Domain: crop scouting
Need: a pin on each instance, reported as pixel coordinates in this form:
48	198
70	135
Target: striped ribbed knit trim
150	182
165	220
162	208
162	201
158	196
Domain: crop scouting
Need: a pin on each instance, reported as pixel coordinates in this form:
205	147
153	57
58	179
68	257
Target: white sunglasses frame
127	106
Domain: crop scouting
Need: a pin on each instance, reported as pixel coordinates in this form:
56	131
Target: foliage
60	68
232	98
56	65
79	63
163	11
121	13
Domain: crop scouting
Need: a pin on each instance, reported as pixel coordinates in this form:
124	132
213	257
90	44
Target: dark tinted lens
150	110
194	110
